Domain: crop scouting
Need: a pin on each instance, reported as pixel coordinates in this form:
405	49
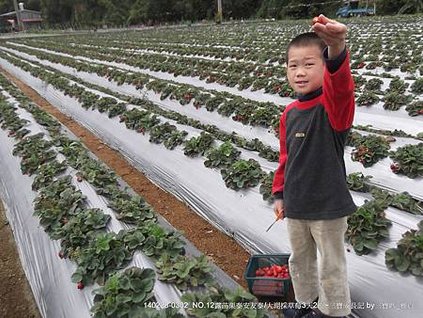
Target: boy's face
305	68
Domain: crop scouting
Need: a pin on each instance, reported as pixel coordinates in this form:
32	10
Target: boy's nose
300	73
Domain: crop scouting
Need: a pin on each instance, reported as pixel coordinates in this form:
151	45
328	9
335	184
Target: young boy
309	185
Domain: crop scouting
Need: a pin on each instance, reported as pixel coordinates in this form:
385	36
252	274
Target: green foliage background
130	12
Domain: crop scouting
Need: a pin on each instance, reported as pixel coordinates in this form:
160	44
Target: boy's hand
278	209
332	32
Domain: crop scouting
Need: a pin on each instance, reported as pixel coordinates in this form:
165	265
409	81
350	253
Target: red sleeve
279	178
338	96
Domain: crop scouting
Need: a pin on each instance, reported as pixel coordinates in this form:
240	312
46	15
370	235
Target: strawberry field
197	109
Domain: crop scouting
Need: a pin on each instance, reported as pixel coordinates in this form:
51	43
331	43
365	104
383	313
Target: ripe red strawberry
395	167
61	254
80	285
317	20
79	178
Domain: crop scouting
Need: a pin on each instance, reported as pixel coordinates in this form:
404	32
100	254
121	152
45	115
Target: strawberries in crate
277	271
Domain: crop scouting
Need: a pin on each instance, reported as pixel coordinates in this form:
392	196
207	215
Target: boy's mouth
301	83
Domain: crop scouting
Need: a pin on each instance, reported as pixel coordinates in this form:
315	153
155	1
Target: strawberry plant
373	84
176	138
57	201
79	230
398	85
394	101
370	149
223	296
127	294
158	242
198	146
358	182
368	226
201	99
104	255
116	109
94	172
184	272
242	174
213	103
228	107
131	210
266	187
408	255
367	98
263	116
243	113
47	172
408	160
167	134
359	81
139	120
259	83
417	86
415	109
223	156
124	293
353	139
403	201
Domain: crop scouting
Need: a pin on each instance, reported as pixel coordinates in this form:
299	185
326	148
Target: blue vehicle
351	9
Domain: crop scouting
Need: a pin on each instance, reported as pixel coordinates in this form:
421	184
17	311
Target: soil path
16	299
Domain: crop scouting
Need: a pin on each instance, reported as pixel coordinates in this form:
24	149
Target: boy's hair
305	39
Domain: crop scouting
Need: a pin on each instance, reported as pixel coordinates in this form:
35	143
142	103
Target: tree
412	6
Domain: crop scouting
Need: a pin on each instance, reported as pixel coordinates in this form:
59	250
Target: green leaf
370	244
402	263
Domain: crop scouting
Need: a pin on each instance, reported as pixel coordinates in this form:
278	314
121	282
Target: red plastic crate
267	286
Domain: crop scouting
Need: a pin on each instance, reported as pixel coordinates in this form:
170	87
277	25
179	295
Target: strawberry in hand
332	33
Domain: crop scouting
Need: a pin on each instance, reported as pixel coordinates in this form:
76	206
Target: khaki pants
328	281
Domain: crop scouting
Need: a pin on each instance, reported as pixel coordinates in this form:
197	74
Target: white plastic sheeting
259	95
244	214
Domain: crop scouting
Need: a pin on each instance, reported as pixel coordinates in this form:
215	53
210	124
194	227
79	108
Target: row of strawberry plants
394	97
116	249
238	108
368	226
263	45
404	201
407	160
224	73
236	173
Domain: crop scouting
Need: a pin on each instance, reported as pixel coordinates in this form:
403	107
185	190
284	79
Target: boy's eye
309	64
292	65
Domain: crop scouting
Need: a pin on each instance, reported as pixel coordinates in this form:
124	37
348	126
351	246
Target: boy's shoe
298	312
295	313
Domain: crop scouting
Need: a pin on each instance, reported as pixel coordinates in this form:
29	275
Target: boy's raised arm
338	85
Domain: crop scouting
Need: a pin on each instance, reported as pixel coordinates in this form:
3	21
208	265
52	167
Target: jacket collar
311	95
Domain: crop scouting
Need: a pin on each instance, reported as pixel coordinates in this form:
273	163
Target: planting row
64	215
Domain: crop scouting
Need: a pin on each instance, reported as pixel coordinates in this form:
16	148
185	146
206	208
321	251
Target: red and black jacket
311	176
